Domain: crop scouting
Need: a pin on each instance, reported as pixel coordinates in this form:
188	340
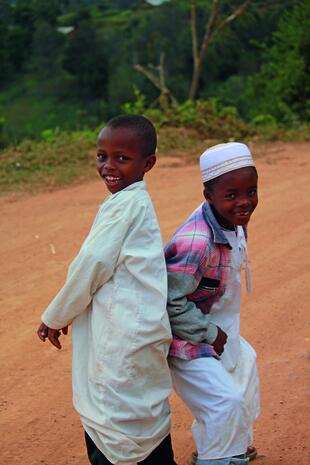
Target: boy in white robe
213	367
115	299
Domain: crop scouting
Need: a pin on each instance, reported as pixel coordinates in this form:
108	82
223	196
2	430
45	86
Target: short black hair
143	127
208	185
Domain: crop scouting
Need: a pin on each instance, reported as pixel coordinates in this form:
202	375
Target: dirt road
41	234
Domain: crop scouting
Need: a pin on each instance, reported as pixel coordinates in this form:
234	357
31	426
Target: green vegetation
60	159
72	64
69	65
281	88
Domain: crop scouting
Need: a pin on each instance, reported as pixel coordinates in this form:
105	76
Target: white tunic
223	395
115	296
226	312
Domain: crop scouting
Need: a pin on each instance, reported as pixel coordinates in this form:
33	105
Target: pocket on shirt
209	284
208	292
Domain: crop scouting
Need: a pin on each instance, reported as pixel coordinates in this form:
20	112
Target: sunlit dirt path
41	234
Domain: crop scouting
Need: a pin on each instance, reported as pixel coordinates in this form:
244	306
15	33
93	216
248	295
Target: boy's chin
242	221
113	189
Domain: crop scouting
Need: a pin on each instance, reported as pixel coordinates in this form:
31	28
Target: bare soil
41	234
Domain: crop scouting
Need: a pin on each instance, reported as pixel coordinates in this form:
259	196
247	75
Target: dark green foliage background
259	64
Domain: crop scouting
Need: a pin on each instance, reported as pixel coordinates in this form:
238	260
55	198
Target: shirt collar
208	215
135	186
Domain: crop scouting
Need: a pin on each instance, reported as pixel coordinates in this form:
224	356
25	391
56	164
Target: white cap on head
223	158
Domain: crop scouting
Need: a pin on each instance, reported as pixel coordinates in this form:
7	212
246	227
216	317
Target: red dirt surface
41	234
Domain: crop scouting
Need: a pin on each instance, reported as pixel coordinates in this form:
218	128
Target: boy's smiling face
120	161
233	197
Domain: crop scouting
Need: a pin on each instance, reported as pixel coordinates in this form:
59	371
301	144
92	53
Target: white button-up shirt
115	297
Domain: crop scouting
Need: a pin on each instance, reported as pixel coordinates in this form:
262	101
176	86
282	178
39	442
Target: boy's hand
51	334
220	341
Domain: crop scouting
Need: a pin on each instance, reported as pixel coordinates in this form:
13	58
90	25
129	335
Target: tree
220	15
85	60
156	75
282	86
215	24
47	46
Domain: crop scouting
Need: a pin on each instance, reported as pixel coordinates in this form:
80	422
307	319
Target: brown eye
253	192
123	158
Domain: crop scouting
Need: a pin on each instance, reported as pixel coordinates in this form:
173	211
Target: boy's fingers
41	336
65	330
42	332
53	335
55	342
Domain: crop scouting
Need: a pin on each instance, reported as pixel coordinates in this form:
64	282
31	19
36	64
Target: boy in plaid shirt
213	367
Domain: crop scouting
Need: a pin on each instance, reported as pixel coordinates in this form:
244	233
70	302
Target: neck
221	221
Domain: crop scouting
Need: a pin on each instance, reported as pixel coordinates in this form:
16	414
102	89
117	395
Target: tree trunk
195	81
213	27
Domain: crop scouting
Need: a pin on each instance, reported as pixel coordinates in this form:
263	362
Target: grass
33	166
69	157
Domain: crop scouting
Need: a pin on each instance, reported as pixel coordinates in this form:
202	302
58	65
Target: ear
149	163
208	195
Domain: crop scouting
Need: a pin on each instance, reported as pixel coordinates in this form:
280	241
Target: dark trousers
163	454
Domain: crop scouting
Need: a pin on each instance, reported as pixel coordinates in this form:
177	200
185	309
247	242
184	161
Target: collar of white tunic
136	185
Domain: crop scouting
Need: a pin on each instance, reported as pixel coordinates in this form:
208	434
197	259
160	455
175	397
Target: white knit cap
223	158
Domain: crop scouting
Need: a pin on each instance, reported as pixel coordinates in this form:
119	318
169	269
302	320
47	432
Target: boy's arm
94	265
187	321
86	274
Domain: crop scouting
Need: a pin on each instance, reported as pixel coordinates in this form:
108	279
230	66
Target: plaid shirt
198	258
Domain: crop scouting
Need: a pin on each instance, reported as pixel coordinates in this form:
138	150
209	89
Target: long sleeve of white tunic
115	296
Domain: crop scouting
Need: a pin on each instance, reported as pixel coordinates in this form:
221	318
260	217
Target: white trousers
224	404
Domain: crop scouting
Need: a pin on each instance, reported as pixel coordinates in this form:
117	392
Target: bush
58	160
138	106
209	117
264	120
